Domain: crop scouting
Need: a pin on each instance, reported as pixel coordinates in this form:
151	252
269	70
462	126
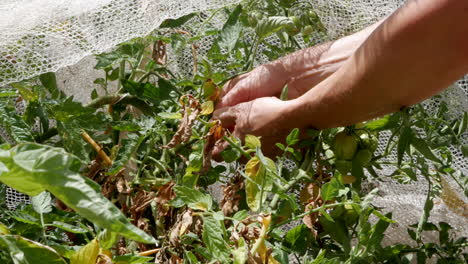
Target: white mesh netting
38	36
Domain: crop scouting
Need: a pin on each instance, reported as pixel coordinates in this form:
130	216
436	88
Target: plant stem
97	148
234	145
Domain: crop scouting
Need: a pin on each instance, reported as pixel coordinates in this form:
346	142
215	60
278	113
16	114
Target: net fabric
102	24
38	36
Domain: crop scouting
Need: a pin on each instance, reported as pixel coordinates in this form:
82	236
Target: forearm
418	51
306	68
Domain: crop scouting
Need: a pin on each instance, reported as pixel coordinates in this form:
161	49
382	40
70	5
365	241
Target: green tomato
345	146
297	21
307	30
369	142
343	166
291	29
363	157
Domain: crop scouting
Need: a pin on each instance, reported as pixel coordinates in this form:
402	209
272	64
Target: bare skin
414	54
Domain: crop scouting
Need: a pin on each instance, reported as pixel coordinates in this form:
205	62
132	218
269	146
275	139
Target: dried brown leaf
309	193
164	195
190	111
159	53
231	197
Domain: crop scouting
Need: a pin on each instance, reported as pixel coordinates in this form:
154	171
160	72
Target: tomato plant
129	177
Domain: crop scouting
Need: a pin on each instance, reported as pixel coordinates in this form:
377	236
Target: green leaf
25	251
284	93
337	231
230	154
404	142
213	239
42	203
33	168
107	239
131	260
384	123
464	150
270	25
107	59
126	126
15	125
128	147
240	254
173	23
299	238
331	189
320	257
68	227
421	146
49	81
87	254
145	91
4	229
463	124
230	33
194	198
293	137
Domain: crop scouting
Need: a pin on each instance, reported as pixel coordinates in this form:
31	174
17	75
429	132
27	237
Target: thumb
227	116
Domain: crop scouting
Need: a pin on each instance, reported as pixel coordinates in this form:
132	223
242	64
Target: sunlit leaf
213	239
207	108
33	168
194	198
25	251
87	254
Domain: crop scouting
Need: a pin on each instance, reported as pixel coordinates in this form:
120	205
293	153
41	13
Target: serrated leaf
33	168
230	33
25	251
194	198
42	203
213	239
87	254
128	147
270	25
15	125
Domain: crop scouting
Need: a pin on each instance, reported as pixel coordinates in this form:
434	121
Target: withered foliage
164	195
231	197
214	137
190	109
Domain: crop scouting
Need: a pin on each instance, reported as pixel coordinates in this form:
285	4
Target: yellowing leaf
252	142
207	108
87	254
4	229
258	178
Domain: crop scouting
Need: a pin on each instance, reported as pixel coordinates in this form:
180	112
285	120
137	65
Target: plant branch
97	148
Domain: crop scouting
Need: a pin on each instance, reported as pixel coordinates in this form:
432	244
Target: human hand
266	117
263	81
